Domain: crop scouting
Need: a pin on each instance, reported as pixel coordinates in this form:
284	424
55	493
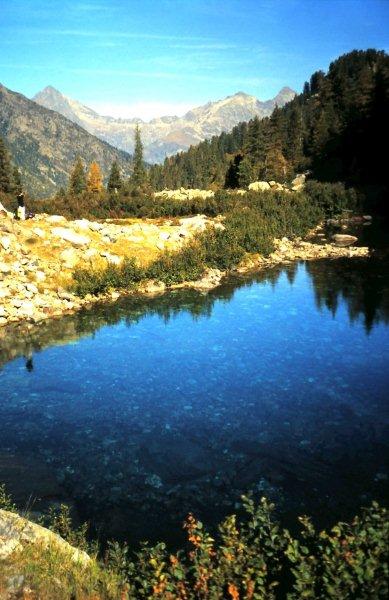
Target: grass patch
98	281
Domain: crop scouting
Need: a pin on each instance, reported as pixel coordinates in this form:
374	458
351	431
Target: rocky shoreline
37	258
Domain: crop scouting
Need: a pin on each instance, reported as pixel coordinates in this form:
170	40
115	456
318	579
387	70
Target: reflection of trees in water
25	339
362	283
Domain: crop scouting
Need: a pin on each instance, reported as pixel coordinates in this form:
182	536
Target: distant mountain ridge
164	136
44	144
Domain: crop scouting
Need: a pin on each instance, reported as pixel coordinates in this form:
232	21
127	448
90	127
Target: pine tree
276	166
5	170
139	175
246	172
255	143
77	182
295	137
17	181
114	180
94	181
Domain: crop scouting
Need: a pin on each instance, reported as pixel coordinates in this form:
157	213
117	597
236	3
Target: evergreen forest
336	129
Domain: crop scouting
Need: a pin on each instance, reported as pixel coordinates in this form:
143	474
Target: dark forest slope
338	128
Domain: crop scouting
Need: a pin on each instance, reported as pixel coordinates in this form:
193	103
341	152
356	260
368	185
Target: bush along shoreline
249	227
51	266
252	557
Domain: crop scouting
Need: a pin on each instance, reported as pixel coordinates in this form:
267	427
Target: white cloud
210	46
144	110
90	33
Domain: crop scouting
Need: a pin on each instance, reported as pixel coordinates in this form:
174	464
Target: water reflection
362	283
144	410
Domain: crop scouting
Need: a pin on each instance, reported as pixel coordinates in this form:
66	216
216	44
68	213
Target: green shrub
59	520
252	231
333	198
222	249
248	558
6	502
250	226
256	558
186	264
98	281
351	561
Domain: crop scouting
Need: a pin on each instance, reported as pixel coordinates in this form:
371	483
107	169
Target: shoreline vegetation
249	225
248	557
99	261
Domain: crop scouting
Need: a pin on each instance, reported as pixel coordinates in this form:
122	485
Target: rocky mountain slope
164	136
44	144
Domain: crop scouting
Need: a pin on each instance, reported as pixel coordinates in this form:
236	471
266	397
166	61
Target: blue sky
152	57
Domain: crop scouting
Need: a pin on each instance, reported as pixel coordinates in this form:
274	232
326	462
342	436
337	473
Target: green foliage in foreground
252	558
250	226
6	502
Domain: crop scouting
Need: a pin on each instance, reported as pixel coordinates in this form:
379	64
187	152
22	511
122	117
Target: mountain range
164	136
44	144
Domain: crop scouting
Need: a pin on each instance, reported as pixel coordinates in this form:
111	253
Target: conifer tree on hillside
114	180
94	181
233	176
294	146
6	175
17	181
246	173
139	175
77	182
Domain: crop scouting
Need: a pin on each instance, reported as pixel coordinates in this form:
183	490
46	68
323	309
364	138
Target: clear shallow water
140	412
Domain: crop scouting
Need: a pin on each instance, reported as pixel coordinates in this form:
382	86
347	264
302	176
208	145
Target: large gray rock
5	242
259	186
69	257
5	268
299	180
70	236
55	219
17	532
342	239
210	279
82	224
4	212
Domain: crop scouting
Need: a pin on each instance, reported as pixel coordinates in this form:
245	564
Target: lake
139	412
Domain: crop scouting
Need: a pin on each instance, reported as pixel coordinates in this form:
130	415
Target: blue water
154	408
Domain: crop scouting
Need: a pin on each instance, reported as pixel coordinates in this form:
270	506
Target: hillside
167	135
44	144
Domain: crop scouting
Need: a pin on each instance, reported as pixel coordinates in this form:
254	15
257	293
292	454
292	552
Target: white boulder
341	239
70	236
259	186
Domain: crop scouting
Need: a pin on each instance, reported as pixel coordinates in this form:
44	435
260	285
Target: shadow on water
140	411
